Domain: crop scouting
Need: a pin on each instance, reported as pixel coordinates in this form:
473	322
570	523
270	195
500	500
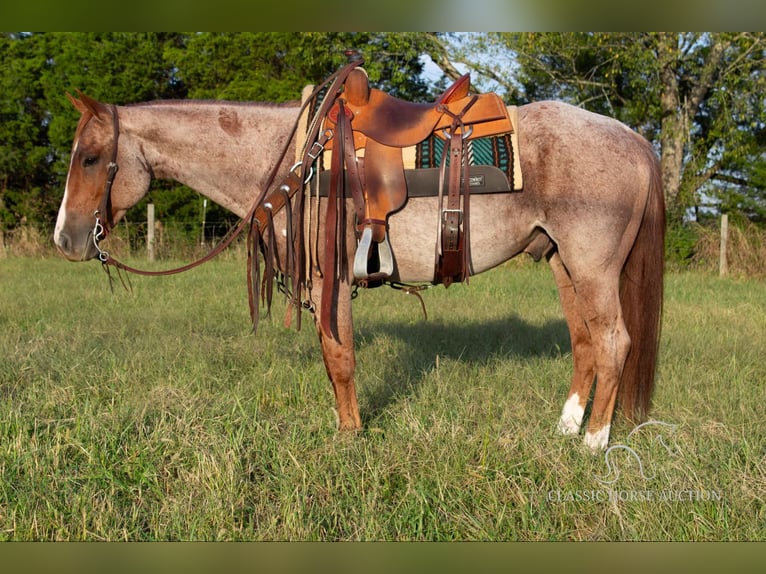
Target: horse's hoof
599	440
571	416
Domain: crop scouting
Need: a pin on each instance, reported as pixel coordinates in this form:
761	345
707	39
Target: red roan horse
592	204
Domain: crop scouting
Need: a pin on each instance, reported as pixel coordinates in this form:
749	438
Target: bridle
102	228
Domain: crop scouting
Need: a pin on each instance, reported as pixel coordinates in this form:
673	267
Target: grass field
156	415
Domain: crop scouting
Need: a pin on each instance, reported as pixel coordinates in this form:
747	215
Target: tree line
697	96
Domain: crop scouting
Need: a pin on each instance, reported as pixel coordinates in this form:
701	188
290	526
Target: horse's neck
224	151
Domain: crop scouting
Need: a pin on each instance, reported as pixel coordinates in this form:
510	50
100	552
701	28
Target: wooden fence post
204	212
150	231
723	263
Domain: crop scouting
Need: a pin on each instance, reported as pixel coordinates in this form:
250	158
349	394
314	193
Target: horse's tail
641	290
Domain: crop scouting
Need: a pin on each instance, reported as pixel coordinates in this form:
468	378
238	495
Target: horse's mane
289	104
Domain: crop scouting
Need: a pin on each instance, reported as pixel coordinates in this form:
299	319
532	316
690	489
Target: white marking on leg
597	441
571	416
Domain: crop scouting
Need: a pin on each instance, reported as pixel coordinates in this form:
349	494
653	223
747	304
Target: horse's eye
89	161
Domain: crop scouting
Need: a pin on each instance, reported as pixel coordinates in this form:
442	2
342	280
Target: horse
592	205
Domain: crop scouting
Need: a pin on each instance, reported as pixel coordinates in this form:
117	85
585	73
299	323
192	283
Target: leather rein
260	213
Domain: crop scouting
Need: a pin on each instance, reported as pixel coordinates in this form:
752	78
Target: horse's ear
88	104
77	103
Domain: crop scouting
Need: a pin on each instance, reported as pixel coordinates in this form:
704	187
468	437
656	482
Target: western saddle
375	128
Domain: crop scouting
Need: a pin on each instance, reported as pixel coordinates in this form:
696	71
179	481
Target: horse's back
551	129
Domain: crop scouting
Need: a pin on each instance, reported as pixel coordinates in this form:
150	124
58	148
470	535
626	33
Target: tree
25	161
698	97
275	66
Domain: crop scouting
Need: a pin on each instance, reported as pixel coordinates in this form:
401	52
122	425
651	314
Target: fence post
150	231
204	212
723	263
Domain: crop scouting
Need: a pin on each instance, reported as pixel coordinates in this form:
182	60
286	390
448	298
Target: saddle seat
394	122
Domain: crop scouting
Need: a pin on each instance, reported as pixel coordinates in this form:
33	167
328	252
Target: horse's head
94	192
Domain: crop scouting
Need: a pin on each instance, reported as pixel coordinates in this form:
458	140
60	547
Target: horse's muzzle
75	247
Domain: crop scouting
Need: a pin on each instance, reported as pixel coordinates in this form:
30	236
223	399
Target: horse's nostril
62	241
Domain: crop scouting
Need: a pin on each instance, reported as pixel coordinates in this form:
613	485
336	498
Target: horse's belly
495	235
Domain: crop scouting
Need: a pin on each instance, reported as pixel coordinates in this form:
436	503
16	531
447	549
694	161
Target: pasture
156	415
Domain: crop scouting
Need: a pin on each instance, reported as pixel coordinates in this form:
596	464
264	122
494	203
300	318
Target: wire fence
745	248
171	240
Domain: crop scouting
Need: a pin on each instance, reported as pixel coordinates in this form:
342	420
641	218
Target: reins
258	214
102	227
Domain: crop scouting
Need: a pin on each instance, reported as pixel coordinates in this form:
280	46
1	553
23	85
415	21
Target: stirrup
385	257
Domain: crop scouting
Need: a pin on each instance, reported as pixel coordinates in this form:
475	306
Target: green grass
156	415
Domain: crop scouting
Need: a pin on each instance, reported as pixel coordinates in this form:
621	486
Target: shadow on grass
474	344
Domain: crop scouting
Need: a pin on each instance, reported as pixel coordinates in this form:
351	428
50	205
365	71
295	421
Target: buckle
459	215
315	154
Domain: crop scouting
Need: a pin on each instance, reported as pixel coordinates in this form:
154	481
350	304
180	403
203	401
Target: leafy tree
38	121
698	97
275	66
25	164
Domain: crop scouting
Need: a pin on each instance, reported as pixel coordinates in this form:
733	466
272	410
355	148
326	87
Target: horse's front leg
338	355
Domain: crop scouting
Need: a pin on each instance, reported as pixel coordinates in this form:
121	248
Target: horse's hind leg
339	359
599	303
600	345
582	352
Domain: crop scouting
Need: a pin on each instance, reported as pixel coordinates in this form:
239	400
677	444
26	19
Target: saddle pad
497	151
424	182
